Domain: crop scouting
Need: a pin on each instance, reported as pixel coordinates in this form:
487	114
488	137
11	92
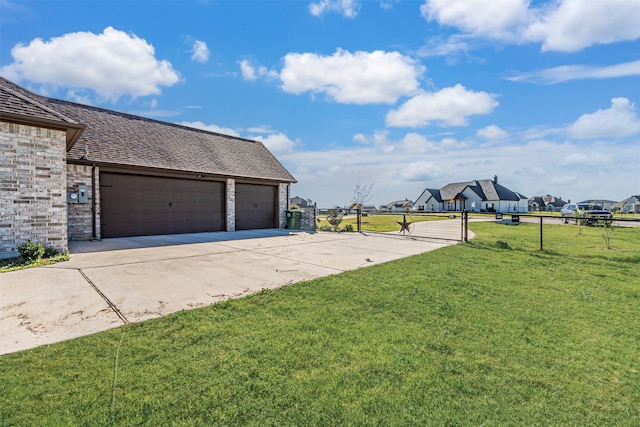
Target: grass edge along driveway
466	335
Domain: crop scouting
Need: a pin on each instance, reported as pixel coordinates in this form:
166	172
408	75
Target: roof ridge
34	102
148	119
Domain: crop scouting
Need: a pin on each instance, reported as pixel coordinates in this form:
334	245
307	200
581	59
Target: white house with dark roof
475	196
603	203
75	172
629	205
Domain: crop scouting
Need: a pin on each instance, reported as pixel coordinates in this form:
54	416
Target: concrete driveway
113	282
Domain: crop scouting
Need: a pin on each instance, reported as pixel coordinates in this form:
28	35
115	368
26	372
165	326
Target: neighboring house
369	209
300	202
545	203
476	196
398	206
76	172
629	205
604	204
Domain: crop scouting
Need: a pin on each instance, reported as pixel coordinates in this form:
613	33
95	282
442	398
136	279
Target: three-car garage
140	204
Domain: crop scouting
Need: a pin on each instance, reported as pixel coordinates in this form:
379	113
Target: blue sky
402	94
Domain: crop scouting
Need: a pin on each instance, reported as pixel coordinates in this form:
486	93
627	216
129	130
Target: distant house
604	204
300	202
369	209
397	206
484	195
545	203
629	205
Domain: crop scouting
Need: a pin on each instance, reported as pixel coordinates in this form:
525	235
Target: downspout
286	205
286	208
93	202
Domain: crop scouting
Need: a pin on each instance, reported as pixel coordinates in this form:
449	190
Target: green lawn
378	223
473	334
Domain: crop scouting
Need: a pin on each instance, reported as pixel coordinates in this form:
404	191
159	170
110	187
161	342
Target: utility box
72	197
83	193
293	220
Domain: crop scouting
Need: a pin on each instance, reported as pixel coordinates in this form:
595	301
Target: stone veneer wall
231	204
308	220
32	187
283	204
80	215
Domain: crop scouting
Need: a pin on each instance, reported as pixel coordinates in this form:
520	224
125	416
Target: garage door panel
256	206
136	205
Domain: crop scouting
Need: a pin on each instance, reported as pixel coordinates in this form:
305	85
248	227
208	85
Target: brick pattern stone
231	204
80	215
32	187
308	220
283	204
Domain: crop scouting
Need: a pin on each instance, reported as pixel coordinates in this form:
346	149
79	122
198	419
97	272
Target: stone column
231	204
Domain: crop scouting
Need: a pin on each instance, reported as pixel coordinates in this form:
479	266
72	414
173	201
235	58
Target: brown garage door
256	206
138	205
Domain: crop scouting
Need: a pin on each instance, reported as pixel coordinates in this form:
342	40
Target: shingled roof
17	106
115	138
486	189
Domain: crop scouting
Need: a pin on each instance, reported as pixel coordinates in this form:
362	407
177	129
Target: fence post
359	219
465	223
541	246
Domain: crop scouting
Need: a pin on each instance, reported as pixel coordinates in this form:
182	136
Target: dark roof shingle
118	138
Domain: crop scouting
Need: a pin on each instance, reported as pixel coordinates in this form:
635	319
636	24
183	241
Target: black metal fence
530	232
616	237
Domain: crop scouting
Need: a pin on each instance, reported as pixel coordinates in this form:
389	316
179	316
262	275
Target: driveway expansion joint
104	297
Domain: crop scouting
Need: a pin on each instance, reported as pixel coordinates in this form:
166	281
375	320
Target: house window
420	208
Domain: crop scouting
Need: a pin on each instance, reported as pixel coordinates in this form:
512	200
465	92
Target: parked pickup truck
588	212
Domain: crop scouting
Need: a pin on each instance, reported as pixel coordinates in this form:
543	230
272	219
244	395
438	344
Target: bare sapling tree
361	194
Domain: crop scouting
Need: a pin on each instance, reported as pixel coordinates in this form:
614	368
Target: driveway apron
109	283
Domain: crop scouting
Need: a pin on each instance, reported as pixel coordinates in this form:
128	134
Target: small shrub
50	252
334	217
348	227
31	251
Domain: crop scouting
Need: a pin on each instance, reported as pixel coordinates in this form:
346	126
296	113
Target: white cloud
200	51
591	159
421	171
450	46
352	78
388	4
562	25
101	62
277	143
578	72
210	128
576	24
619	121
252	73
361	138
448	107
491	19
247	70
261	129
415	143
346	8
520	167
492	133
